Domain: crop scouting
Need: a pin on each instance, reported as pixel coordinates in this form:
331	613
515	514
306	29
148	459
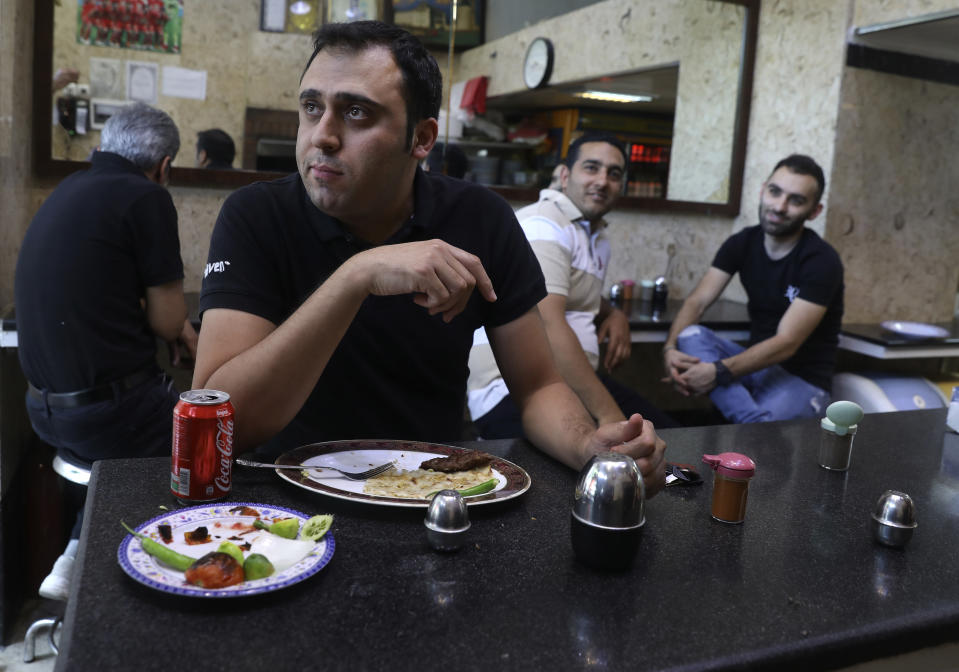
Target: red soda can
202	465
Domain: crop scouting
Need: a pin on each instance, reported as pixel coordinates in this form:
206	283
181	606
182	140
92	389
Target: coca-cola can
202	465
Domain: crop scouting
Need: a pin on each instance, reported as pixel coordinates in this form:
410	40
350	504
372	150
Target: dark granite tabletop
800	584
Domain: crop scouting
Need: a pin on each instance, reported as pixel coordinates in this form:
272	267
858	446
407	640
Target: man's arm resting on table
277	366
675	362
554	419
797	323
573	364
613	325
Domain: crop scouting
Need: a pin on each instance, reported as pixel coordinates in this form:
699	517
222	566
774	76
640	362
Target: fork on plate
352	475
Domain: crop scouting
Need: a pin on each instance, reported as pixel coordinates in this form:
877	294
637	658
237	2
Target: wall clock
538	64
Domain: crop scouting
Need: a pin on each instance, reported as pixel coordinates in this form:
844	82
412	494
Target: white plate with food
199	530
914	329
407	485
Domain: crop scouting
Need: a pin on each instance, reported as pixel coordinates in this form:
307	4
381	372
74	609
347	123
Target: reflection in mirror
693	77
249	72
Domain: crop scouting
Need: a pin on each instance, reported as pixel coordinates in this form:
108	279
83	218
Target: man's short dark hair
422	81
218	146
804	165
573	152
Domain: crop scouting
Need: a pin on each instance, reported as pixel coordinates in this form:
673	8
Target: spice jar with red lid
730	485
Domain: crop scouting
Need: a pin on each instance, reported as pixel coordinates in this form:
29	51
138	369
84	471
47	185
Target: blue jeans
762	396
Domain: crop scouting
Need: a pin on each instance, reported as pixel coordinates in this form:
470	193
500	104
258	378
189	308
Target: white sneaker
56	586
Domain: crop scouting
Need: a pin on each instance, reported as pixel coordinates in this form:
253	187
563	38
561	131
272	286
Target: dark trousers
504	420
135	423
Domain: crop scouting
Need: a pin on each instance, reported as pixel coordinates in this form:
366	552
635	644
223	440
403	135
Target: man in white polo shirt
566	231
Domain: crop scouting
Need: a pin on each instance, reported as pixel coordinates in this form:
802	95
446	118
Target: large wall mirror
251	84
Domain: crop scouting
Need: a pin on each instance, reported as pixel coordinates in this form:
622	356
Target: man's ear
563	176
815	212
424	137
161	172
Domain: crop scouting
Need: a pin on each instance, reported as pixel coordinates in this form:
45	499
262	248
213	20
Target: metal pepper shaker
660	294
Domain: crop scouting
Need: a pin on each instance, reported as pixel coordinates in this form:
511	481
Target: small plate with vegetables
226	549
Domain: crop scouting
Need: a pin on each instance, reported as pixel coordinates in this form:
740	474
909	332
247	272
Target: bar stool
59	578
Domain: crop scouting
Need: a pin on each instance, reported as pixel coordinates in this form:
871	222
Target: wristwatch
723	375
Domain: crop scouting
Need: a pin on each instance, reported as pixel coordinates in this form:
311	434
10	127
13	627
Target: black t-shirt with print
811	271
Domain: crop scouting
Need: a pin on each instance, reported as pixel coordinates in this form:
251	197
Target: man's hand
440	276
637	438
700	378
616	328
65	76
183	349
676	363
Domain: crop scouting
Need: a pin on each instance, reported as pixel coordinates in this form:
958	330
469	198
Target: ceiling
931	35
661	83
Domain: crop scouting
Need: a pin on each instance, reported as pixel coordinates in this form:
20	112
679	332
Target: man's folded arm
268	367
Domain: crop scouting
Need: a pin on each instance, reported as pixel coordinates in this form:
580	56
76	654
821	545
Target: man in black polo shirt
339	303
98	278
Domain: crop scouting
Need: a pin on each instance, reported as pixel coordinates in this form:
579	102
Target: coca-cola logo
224	446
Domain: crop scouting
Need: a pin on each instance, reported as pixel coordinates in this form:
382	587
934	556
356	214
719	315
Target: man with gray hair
99	277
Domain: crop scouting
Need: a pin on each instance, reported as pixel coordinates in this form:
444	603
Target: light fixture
300	7
610	97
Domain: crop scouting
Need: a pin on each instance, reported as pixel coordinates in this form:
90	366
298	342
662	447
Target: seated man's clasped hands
340	302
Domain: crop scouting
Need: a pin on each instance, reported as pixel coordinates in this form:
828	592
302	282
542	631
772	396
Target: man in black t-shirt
794	282
340	302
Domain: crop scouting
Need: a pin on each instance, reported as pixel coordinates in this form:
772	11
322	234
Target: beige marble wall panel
895	210
709	68
16	66
274	75
7	27
197	210
869	12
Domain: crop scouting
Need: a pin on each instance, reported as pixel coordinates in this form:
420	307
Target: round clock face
538	65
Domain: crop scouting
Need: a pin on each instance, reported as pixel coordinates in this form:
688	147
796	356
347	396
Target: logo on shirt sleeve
791	292
215	267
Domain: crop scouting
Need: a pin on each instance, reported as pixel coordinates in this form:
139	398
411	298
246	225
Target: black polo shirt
99	240
398	372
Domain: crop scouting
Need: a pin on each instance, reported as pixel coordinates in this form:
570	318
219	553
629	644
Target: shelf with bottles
648	171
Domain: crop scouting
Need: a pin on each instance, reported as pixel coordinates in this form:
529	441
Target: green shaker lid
842	417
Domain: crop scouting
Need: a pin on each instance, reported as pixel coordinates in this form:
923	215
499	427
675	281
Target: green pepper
480	489
165	555
485	486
